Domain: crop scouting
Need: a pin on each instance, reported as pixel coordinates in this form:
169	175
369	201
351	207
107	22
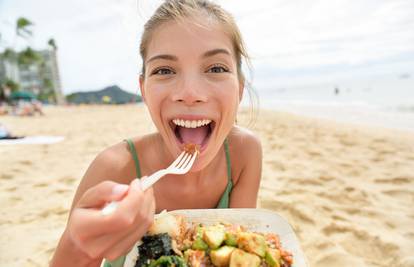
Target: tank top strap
134	156
226	149
224	202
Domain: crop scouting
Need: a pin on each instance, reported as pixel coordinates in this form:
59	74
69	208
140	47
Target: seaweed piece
153	247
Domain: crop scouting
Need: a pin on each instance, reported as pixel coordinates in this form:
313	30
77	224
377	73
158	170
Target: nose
190	91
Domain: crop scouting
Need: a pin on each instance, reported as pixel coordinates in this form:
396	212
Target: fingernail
136	184
119	189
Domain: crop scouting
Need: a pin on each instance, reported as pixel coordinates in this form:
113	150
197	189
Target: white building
37	78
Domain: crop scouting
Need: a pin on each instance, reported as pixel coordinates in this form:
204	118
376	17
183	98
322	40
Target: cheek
153	99
229	96
154	95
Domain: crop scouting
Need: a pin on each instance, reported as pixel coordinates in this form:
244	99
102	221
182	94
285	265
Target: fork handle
145	184
152	179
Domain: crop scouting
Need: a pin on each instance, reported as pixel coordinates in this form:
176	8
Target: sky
291	42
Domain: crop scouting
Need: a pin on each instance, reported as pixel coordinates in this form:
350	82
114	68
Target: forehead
188	37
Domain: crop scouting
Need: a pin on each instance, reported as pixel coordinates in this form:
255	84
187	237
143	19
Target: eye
217	69
162	71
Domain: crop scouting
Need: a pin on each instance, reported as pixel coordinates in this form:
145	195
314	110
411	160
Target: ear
241	89
141	87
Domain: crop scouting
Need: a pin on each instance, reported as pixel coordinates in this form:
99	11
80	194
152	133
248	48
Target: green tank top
222	204
225	198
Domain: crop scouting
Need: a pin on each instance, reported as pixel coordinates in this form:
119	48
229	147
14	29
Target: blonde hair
179	10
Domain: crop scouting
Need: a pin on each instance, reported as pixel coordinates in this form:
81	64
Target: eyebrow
215	52
206	54
163	56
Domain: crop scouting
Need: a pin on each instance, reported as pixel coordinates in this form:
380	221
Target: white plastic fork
180	166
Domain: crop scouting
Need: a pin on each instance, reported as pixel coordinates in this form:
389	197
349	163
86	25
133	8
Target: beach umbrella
16	95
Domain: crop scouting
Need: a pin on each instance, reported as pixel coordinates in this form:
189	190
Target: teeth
192	123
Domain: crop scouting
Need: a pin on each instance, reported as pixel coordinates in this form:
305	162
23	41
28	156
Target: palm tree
22	29
8	54
52	44
28	57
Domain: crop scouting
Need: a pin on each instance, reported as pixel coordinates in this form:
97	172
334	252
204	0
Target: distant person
336	91
37	107
5	134
3	108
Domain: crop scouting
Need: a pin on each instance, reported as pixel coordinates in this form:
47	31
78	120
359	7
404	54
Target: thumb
102	193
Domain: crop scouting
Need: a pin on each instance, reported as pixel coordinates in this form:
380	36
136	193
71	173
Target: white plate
259	220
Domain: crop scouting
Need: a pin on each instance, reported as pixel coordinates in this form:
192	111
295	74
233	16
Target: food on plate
171	241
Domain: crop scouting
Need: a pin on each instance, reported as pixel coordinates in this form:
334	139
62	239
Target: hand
110	236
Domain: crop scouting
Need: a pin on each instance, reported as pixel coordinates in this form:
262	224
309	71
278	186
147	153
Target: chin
200	163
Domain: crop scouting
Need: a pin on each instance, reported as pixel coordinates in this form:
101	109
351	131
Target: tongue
193	135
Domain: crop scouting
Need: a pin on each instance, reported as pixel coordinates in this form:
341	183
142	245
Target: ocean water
384	103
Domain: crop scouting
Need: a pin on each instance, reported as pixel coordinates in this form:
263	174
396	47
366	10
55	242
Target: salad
171	241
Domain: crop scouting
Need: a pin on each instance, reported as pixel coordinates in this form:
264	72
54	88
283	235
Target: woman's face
191	86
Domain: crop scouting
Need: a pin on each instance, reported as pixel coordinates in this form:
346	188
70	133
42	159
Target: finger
102	193
92	223
124	245
115	244
134	198
143	217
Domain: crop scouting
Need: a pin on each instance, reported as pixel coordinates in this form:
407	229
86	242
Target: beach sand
347	191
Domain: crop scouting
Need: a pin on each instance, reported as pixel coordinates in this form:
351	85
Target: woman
192	84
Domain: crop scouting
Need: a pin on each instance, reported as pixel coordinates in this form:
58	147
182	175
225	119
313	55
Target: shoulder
114	163
244	142
117	160
109	164
245	152
246	158
113	157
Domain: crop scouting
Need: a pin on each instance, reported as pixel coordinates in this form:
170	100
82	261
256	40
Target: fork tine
178	159
190	162
182	162
187	159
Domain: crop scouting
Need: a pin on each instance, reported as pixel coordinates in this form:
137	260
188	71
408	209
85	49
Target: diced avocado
168	261
221	257
239	258
199	244
214	236
199	231
252	243
272	257
231	239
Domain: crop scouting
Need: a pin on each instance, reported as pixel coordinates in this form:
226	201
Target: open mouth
192	131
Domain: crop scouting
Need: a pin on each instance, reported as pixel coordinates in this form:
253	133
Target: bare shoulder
111	160
244	143
113	163
245	151
246	161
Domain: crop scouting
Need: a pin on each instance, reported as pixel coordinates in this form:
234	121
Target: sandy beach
348	191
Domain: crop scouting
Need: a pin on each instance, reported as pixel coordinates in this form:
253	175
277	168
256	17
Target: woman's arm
89	236
249	156
68	254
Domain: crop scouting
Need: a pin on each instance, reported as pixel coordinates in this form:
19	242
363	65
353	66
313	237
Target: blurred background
335	84
354	57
